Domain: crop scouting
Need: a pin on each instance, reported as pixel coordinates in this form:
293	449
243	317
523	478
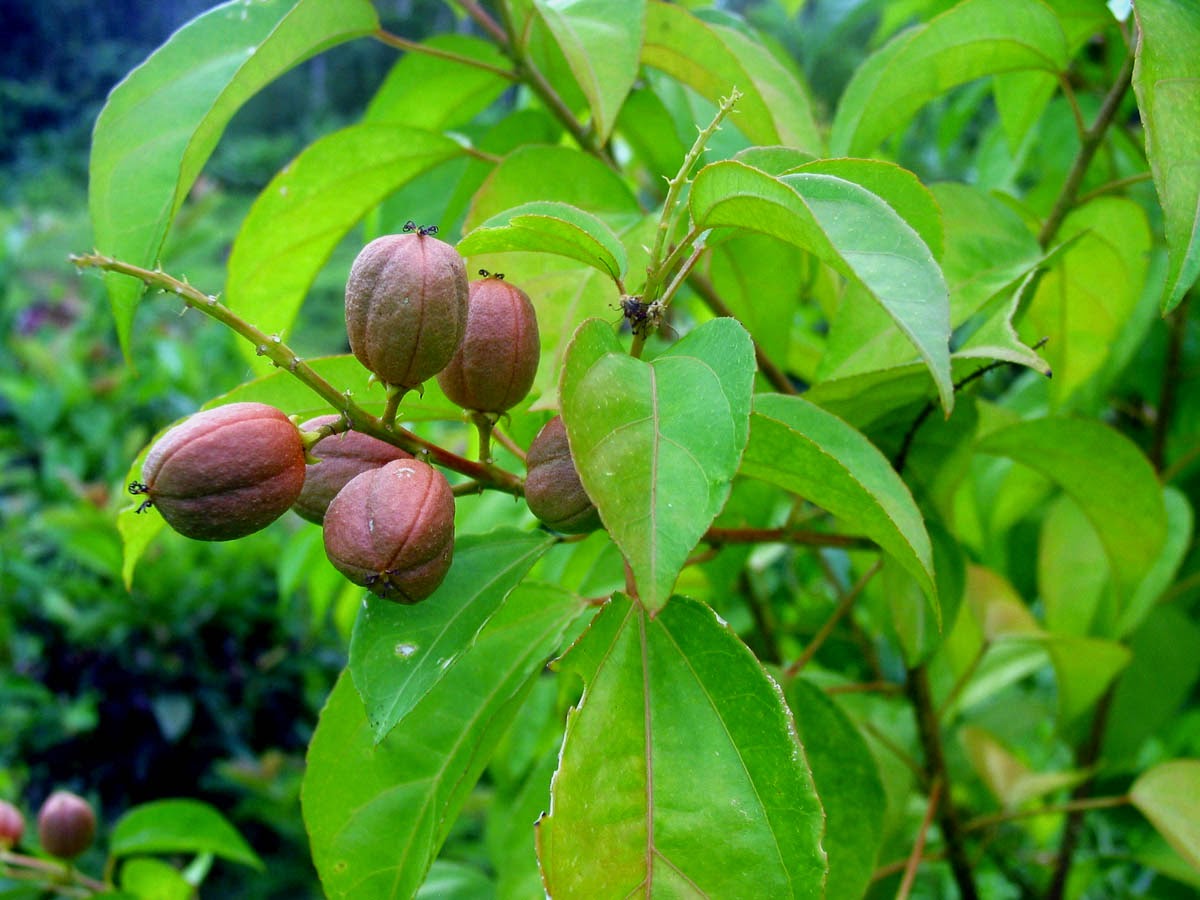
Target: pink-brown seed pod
391	530
12	825
552	486
226	472
66	825
406	307
342	456
496	362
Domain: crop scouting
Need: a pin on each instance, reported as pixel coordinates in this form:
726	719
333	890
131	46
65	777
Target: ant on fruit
499	276
136	488
422	230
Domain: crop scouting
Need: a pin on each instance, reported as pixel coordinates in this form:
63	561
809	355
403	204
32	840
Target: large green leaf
1169	796
306	210
399	653
1166	79
377	814
811	452
1180	530
1104	473
681	773
973	39
1072	568
162	122
657	444
179	826
602	43
713	61
549	227
848	784
851	229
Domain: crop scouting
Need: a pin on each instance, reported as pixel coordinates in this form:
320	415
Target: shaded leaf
163	120
1180	529
680	772
1166	80
549	227
1010	781
377	813
399	653
657	444
1169	796
180	826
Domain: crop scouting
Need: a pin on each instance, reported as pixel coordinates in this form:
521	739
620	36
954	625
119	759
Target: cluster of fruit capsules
387	519
66	825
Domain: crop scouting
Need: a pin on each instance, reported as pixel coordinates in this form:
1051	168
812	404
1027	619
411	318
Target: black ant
136	488
642	317
422	230
499	276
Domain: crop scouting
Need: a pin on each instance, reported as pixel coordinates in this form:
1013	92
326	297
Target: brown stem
400	43
914	858
775	375
283	357
1170	383
485	21
981	822
864	687
936	772
764	619
800	536
49	869
1113	186
508	443
829	624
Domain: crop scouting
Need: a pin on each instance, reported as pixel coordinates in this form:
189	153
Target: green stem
47	870
400	43
1073	806
283	357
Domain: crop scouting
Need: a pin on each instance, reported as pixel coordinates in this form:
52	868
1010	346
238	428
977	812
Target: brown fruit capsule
495	364
552	488
342	456
66	825
12	825
406	307
226	472
391	530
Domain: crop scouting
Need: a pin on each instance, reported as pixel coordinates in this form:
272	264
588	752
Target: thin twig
914	858
770	371
1011	815
1112	187
826	629
400	43
1169	391
717	536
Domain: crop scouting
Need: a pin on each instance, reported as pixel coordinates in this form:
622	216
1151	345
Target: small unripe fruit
226	472
406	307
66	825
12	825
552	487
391	530
342	456
495	364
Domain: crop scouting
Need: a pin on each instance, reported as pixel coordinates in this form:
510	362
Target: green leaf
1072	568
1166	80
433	93
702	57
602	43
657	444
399	653
1087	297
680	773
153	879
810	452
306	210
162	122
377	813
913	616
1008	778
180	826
1104	473
973	39
549	227
848	785
851	229
1083	669
1180	529
455	881
1169	796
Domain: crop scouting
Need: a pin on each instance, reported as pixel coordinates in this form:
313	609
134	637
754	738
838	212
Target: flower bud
342	456
552	488
66	825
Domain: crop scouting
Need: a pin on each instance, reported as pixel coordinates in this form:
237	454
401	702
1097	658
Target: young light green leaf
1169	796
810	452
602	43
848	785
549	227
1180	530
180	826
1084	667
162	122
851	229
970	40
1166	80
399	653
145	878
1108	477
680	773
304	212
657	444
377	813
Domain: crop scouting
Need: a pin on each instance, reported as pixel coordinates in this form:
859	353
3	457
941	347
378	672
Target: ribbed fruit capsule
495	364
226	472
391	530
406	307
552	486
66	825
342	456
12	825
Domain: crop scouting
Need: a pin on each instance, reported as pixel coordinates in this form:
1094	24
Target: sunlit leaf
1169	796
548	227
180	826
681	771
